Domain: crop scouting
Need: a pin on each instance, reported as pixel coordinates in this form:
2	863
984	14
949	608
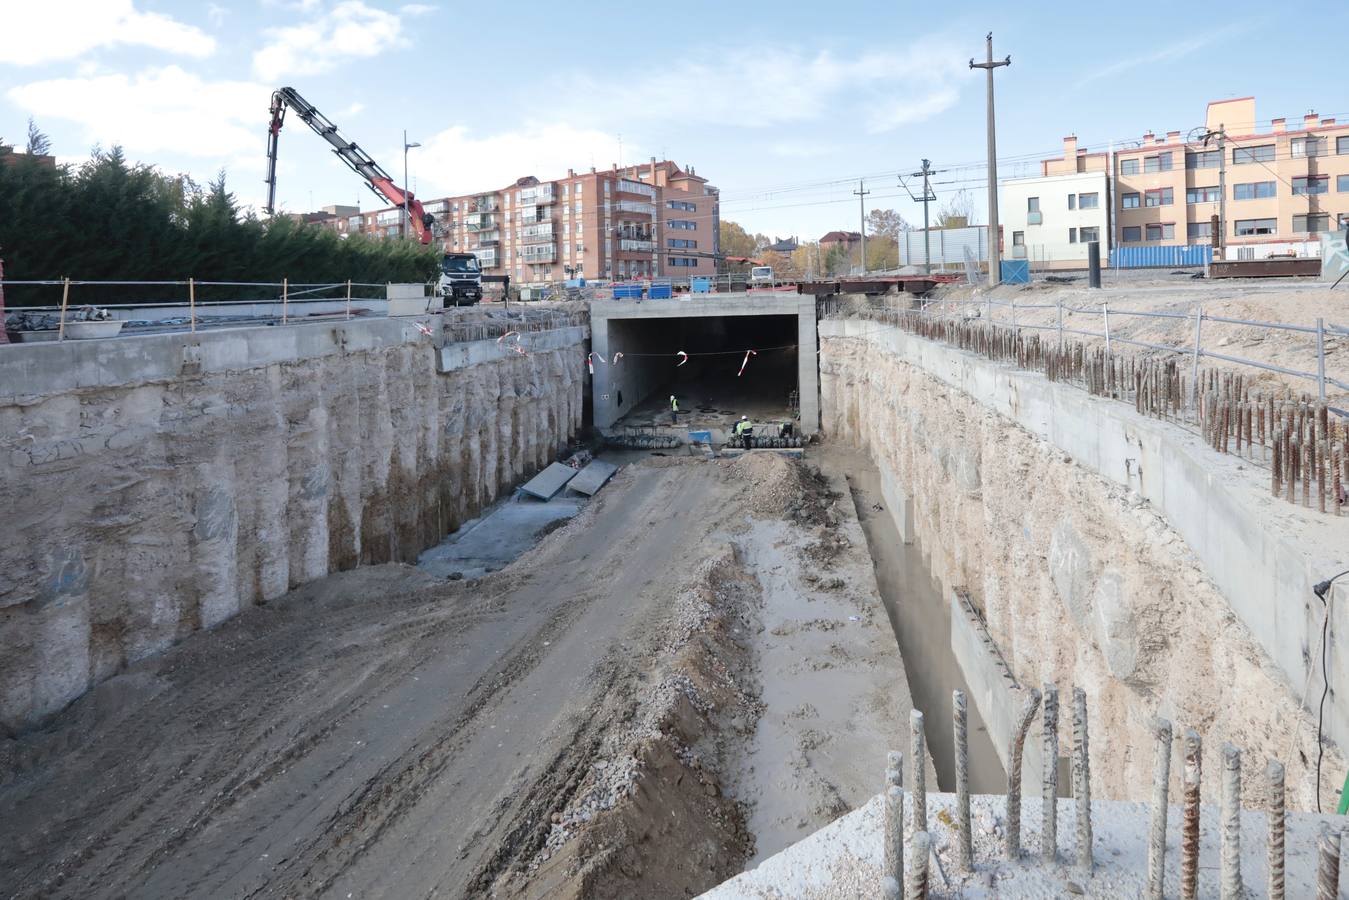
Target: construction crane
360	162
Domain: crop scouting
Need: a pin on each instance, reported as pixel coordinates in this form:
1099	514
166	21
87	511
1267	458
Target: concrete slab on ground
593	477
498	538
547	483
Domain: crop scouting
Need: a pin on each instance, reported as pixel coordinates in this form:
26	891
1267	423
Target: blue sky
782	105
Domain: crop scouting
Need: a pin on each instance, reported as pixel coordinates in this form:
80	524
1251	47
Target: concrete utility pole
862	212
928	197
407	213
1222	191
994	255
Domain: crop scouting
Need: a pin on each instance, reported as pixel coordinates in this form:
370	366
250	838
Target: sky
784	106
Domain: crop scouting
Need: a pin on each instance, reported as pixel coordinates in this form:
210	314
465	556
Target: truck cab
460	279
761	276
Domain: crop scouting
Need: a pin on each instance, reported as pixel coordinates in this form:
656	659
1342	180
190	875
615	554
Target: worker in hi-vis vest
674	410
743	430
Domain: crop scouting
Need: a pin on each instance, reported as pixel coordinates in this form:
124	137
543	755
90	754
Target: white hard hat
744	418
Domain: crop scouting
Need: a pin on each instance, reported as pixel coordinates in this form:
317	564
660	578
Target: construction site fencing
1301	438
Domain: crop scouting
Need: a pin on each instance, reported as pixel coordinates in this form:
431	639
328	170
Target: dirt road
377	733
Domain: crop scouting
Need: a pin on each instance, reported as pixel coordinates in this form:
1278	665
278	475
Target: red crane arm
349	152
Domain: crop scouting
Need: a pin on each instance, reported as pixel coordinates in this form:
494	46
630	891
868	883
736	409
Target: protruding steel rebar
917	770
1231	823
1189	840
894	768
1082	781
921	848
893	876
964	839
1161	777
1049	811
1028	708
1274	773
1328	863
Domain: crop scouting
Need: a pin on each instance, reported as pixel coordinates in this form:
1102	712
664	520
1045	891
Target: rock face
1079	581
139	513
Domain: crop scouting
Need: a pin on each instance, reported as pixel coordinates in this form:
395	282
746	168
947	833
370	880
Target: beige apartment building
646	221
1285	184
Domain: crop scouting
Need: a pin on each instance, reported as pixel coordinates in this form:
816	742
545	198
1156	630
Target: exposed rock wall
138	512
1079	580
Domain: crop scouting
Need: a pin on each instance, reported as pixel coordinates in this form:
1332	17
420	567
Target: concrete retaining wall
1101	547
159	484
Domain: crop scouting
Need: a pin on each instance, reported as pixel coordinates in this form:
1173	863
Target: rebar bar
1274	846
964	839
1231	823
893	875
917	770
1049	818
894	768
1028	708
1082	781
1189	840
1328	863
1161	777
921	847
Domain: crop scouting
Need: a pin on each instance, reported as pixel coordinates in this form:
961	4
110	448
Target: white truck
761	276
460	279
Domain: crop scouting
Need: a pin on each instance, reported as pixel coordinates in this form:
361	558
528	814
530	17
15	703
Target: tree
736	241
38	143
959	206
885	223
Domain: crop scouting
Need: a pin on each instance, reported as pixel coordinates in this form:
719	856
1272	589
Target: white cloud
165	110
767	86
351	29
353	109
802	149
416	9
1169	53
457	161
46	32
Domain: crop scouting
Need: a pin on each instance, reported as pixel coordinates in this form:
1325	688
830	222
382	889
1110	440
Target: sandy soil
1279	302
563	727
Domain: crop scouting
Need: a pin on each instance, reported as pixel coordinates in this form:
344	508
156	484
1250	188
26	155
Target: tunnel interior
711	389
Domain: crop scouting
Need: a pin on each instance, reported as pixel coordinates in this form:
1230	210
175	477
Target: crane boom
356	159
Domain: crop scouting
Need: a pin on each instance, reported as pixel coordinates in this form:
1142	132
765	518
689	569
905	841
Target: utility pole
994	254
927	198
862	212
1222	192
407	213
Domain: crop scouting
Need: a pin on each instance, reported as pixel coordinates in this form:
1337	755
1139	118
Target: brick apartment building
651	220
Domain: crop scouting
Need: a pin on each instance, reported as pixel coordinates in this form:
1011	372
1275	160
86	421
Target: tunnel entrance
712	391
637	363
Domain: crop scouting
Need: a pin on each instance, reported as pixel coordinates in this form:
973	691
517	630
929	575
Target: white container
83	331
415	306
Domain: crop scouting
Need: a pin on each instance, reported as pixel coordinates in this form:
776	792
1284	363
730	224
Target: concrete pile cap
547	483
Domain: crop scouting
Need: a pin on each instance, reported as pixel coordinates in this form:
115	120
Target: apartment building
1285	184
644	221
1052	218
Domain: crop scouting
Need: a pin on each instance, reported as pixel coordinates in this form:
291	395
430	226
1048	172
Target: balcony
633	206
479	221
636	245
535	234
538	196
539	253
1034	218
488	259
484	204
489	238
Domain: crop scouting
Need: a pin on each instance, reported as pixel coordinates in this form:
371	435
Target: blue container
701	285
660	291
1173	256
627	292
1015	271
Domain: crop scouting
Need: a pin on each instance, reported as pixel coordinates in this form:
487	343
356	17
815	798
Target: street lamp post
407	214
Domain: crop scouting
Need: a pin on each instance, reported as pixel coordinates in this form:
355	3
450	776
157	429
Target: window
1342	145
1199	230
1089	201
1129	201
1159	197
1203	195
1342	221
1205	159
1311	224
1311	184
682	261
682	244
1032	204
578	225
1072	201
1018	238
681	225
1128	166
1158	163
1163	232
1342	183
579	185
1089	234
1245	155
682	205
1308	146
1254	190
1072	233
1248	227
1132	233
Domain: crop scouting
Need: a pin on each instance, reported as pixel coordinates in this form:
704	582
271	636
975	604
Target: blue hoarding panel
1160	257
660	291
701	285
627	292
1015	271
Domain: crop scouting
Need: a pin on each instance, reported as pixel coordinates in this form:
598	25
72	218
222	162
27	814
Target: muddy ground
582	723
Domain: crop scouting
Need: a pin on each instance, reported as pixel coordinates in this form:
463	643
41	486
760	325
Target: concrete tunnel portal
780	382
